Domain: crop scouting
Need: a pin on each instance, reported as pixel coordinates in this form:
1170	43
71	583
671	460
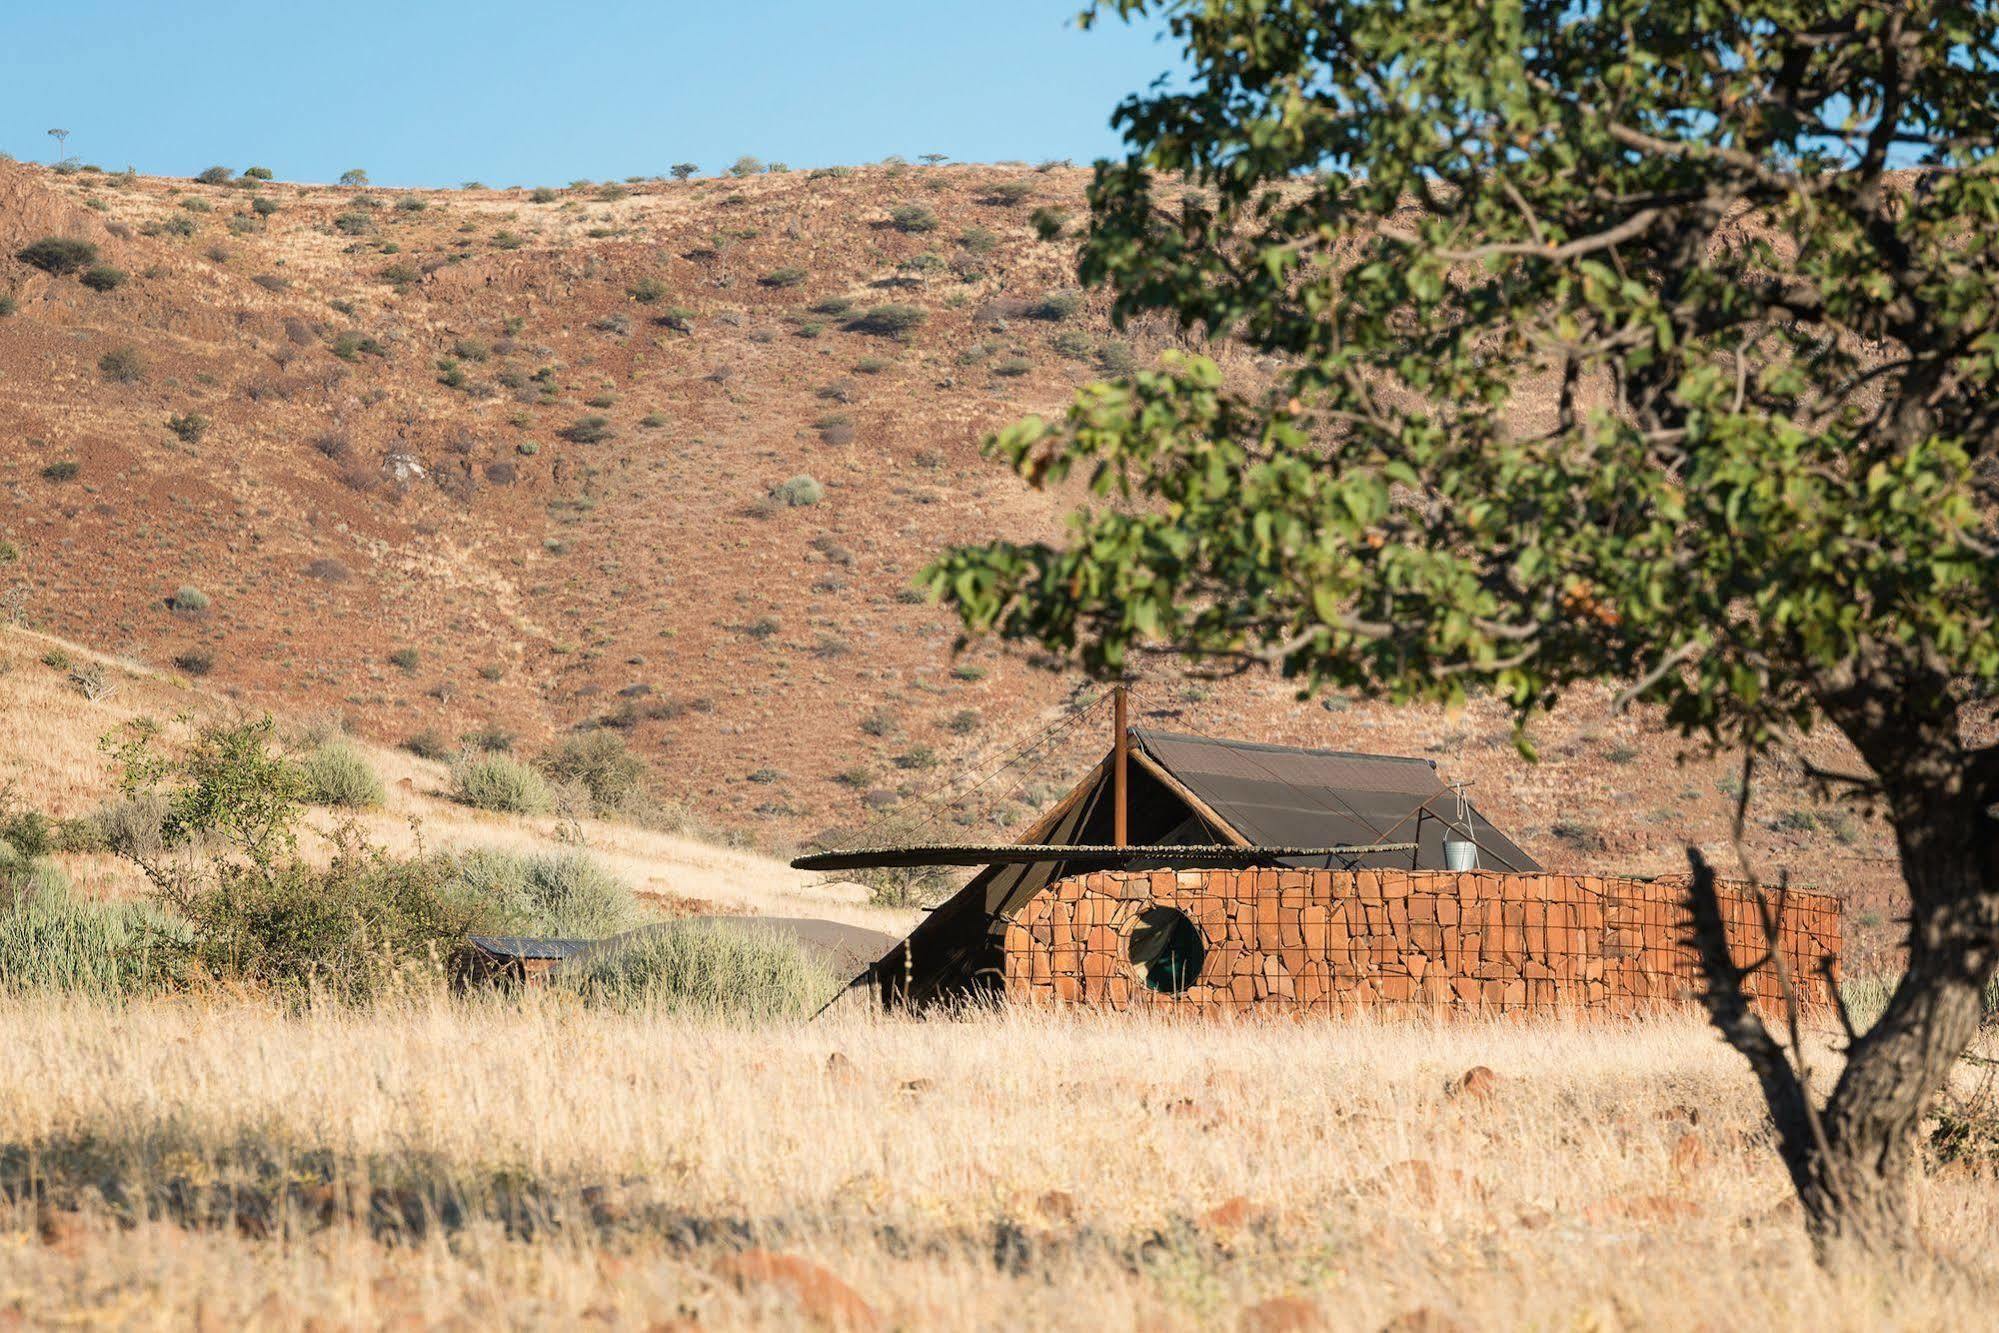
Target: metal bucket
1460	854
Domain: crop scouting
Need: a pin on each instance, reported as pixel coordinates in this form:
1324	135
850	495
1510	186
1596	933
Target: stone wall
1337	939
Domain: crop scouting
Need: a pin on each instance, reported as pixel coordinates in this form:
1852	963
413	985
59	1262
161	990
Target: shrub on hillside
889	320
336	773
495	781
912	218
189	426
189	599
59	255
1056	306
1008	193
648	290
789	276
588	430
122	365
602	763
103	278
798	491
705	968
257	173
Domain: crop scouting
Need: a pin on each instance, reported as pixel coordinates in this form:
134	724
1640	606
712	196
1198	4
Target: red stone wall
1337	939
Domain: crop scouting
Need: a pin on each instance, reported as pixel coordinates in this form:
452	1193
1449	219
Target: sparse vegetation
797	491
913	218
59	255
740	972
493	780
122	365
103	278
338	774
892	320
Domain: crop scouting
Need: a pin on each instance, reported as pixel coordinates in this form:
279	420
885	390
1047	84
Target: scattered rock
820	1295
1231	1214
1057	1206
1478	1083
1282	1314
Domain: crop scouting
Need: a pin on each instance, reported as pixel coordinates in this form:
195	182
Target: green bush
103	278
745	166
430	744
189	426
647	290
336	773
59	255
889	320
798	491
8	305
705	968
257	173
494	781
63	469
190	599
912	218
1008	193
122	365
789	276
563	894
603	764
263	208
215	176
1056	306
588	430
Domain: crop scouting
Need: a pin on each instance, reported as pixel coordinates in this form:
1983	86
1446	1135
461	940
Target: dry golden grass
1017	1169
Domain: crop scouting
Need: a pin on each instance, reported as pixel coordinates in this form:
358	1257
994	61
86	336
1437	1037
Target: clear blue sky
437	92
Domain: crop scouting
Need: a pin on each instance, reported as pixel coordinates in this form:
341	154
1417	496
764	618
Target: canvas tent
1228	802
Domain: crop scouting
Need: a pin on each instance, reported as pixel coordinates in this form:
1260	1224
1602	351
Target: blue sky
430	92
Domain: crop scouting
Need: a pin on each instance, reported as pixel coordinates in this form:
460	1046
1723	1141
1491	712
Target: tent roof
1284	796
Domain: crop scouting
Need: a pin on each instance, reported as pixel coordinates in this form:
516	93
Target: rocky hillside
654	456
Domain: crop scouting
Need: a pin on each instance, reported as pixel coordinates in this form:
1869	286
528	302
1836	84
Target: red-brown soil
419	493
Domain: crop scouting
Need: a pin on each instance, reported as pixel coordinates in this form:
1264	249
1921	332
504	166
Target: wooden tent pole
1120	749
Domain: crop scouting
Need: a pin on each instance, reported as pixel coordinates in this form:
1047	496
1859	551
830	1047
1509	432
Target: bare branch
1729	1011
1667	664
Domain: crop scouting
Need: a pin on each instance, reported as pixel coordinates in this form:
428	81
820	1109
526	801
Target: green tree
1615	346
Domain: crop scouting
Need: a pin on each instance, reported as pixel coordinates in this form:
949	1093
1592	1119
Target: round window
1166	950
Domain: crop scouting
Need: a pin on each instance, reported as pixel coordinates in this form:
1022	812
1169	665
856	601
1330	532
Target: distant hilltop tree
215	176
745	166
62	142
354	177
932	159
682	170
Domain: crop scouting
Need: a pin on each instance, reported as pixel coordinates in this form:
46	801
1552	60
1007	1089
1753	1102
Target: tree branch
1729	1011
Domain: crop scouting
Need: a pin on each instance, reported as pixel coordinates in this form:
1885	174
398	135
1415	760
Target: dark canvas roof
1284	796
1270	796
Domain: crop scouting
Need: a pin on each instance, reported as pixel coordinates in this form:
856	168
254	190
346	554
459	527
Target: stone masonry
1312	940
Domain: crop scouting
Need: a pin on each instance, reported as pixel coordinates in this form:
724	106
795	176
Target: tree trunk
1852	1160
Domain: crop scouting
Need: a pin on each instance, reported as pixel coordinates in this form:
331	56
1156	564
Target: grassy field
219	1164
